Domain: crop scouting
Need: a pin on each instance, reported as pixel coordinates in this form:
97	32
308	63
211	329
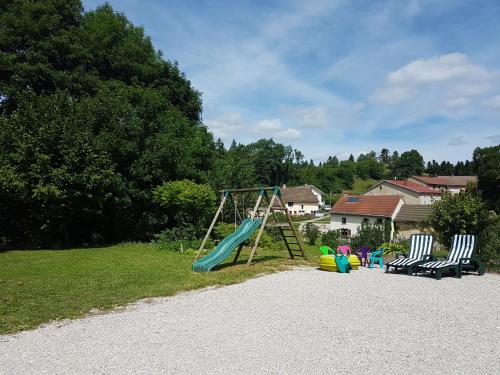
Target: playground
302	321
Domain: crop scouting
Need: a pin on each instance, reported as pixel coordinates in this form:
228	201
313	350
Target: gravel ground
303	321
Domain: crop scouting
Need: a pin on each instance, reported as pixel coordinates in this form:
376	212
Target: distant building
303	200
412	192
350	212
452	184
409	219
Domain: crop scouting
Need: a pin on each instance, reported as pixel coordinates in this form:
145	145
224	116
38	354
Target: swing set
258	220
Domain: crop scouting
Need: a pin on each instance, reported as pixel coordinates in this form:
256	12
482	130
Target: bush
368	235
489	243
312	232
463	213
331	238
185	201
396	247
222	230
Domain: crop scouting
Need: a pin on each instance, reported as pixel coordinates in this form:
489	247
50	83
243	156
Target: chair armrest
429	258
400	254
462	260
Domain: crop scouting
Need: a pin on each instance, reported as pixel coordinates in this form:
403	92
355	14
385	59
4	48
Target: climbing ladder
287	231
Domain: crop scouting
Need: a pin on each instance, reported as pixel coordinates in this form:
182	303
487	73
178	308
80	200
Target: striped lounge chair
420	251
459	258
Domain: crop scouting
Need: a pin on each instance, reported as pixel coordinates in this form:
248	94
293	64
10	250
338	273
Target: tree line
94	121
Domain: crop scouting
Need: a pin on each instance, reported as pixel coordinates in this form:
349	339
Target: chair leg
437	274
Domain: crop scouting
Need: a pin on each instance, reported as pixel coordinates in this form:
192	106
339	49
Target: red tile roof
367	205
446	180
413	186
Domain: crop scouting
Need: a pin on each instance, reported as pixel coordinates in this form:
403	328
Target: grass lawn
39	286
360	185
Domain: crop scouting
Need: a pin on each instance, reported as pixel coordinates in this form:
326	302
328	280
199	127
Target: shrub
368	235
185	201
331	238
222	230
489	243
312	232
463	213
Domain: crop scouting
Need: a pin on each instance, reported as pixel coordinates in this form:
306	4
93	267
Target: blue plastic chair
376	256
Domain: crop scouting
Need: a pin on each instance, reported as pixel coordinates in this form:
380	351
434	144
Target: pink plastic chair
344	249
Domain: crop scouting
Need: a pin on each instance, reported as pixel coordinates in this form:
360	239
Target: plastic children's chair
344	249
363	254
376	256
325	250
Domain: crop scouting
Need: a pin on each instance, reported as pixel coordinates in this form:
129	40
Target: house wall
406	229
353	222
384	188
429	199
299	208
318	195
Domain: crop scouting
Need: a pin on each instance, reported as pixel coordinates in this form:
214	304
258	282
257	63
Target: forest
94	122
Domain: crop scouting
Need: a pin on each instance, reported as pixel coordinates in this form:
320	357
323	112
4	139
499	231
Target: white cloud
269	125
289	133
438	85
438	69
457	141
226	126
493	103
274	129
312	117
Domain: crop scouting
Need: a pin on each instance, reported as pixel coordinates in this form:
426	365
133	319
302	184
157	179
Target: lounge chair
459	258
420	251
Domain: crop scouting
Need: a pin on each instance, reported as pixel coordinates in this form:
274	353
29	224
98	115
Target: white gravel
303	321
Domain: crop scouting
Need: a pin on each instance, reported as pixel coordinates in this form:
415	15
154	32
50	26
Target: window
301	206
380	187
379	221
344	220
365	220
345	233
290	204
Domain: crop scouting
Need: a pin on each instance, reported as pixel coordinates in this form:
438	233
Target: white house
302	200
412	192
452	184
350	212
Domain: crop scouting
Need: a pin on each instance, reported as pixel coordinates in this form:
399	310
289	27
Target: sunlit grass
40	286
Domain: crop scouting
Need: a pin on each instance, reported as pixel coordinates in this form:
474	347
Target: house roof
413	186
298	194
312	186
413	212
446	180
367	205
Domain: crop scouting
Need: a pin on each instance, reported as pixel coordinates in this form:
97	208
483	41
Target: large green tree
487	166
92	119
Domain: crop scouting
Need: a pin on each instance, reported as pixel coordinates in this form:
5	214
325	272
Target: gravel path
303	321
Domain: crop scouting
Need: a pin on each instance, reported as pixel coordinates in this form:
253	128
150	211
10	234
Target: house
412	192
302	200
409	219
452	184
350	212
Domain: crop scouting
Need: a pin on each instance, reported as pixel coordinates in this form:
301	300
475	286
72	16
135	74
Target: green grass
44	285
360	185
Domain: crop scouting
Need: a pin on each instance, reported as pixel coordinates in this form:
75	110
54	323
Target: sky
337	77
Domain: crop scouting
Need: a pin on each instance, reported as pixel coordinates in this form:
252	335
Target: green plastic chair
376	256
324	250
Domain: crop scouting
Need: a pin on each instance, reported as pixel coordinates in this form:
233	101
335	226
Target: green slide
227	245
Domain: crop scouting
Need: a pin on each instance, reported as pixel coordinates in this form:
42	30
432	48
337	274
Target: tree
185	202
410	163
463	213
384	156
91	120
312	233
487	166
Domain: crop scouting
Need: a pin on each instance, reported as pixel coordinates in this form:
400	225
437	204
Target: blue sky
338	77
